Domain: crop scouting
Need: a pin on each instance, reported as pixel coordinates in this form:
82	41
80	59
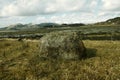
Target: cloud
41	7
109	9
111	5
68	18
59	11
5	21
37	7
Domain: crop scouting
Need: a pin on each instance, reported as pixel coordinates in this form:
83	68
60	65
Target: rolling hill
109	22
113	21
30	26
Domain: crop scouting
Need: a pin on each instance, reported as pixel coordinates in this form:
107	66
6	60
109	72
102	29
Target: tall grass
20	61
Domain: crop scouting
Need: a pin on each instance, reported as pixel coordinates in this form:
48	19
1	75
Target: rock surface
62	44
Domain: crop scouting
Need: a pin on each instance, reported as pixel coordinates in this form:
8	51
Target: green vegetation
87	32
19	60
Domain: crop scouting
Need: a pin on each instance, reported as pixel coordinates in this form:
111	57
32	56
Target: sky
57	11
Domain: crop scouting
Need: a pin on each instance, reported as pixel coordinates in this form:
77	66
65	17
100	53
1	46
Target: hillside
20	26
30	26
113	21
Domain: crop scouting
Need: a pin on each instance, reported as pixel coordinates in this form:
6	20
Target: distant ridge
20	26
31	26
113	21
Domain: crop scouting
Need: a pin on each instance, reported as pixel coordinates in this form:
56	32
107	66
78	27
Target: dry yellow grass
20	61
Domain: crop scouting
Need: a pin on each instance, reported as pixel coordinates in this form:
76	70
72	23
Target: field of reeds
19	60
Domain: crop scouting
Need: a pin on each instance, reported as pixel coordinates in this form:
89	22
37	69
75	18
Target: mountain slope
113	21
30	26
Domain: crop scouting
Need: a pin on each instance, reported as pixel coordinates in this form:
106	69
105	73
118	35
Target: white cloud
93	3
68	18
111	5
5	21
36	7
109	9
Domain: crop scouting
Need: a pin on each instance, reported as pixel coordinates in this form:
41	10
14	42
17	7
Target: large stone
62	44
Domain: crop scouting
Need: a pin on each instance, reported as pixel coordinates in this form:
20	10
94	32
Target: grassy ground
19	60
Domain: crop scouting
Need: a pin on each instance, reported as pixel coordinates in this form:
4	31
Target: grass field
19	60
88	32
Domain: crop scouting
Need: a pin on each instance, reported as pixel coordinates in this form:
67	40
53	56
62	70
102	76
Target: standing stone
62	44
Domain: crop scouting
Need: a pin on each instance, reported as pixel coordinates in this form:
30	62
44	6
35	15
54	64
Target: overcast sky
58	11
